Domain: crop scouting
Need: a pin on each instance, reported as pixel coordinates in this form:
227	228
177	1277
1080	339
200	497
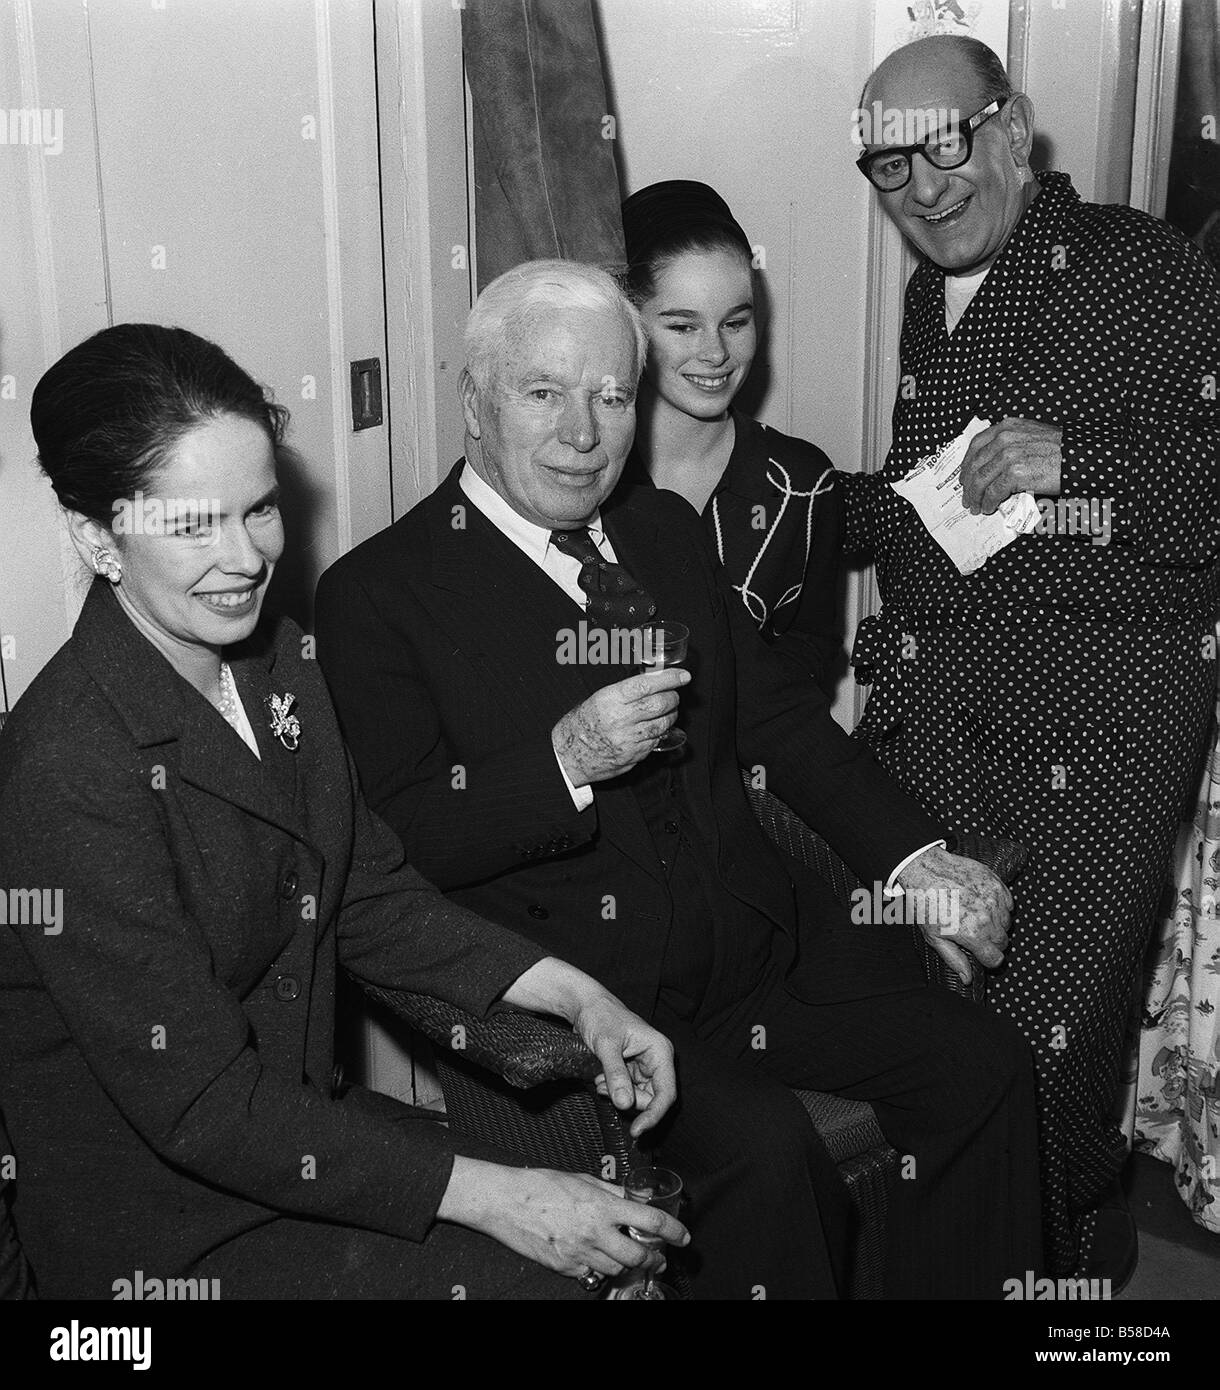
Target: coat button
538	911
288	888
286	988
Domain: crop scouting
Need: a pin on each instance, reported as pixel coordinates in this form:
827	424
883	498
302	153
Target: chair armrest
524	1049
1005	858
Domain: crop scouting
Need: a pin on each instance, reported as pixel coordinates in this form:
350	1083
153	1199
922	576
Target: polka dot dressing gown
1060	694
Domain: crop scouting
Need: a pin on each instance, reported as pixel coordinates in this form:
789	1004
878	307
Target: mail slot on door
366	393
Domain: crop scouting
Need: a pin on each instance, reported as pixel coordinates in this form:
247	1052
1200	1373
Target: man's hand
568	1222
637	1061
618	725
981	907
1013	456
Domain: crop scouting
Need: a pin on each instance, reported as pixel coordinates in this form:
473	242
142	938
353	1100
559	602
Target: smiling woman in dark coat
166	1044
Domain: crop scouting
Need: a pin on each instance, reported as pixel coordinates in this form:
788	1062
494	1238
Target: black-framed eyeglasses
890	169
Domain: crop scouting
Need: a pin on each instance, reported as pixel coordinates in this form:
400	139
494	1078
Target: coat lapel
159	707
254	671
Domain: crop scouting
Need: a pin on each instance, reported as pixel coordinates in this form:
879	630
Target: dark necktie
615	598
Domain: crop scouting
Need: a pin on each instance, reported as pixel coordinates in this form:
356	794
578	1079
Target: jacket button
289	886
286	988
538	911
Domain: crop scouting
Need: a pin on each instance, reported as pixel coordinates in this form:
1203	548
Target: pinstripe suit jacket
439	639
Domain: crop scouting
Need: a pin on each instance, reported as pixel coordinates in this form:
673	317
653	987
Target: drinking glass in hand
665	644
654	1187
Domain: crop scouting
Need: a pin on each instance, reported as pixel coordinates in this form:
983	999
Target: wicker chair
15	1280
525	1083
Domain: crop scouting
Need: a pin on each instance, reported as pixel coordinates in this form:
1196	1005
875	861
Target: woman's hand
569	1222
637	1061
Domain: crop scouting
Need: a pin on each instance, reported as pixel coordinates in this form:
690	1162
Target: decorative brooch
284	725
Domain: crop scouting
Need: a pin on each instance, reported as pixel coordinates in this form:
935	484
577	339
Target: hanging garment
546	184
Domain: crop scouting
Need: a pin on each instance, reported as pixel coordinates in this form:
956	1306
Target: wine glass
661	645
654	1187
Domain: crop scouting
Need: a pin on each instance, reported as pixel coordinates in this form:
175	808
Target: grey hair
510	298
988	68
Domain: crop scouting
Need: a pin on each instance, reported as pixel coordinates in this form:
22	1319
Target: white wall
1079	60
219	171
754	97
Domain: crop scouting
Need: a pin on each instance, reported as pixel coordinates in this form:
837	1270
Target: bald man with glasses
1060	692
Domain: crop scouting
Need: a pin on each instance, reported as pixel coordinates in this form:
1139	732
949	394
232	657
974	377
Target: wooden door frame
426	235
1156	94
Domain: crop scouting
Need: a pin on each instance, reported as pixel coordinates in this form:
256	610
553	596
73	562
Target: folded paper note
934	489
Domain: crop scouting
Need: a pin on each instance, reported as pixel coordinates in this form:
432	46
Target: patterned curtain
546	183
1172	1100
1177	1084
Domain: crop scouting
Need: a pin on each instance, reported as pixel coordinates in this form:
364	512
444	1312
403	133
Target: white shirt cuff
891	889
582	796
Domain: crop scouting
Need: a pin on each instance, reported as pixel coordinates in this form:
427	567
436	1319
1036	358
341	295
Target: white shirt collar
533	539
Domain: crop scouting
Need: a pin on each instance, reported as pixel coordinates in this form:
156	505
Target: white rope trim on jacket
755	605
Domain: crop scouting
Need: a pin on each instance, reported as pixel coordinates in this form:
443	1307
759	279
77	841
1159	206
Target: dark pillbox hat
662	211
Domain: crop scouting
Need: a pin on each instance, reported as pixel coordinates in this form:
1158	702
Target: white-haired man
1060	694
525	786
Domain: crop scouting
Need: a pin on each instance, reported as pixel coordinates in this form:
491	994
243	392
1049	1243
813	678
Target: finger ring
590	1280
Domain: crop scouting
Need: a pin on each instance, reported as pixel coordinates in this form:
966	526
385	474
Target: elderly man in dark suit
526	787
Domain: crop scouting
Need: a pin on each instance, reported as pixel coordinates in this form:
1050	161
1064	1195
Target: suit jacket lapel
488	593
636	538
490	590
638	541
